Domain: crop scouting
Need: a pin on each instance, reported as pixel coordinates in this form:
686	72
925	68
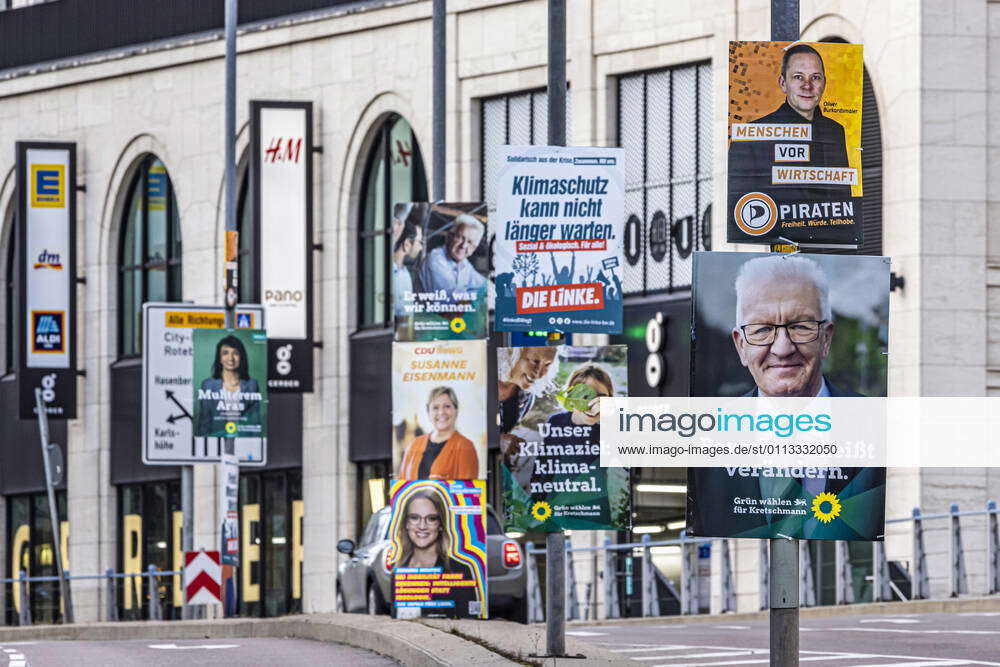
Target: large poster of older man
795	143
440	260
789	326
550	438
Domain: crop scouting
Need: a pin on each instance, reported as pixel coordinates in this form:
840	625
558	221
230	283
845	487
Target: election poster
437	551
439	410
795	143
788	326
558	256
230	383
440	263
550	438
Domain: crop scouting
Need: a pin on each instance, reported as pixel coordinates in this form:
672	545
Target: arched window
150	255
394	172
9	294
247	228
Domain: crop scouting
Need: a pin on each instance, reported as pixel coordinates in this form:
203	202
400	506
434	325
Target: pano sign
281	167
167	376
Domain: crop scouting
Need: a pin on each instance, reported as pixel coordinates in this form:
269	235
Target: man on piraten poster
794	171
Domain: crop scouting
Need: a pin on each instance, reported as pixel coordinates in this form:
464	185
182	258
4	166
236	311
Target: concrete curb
408	642
522	642
955	605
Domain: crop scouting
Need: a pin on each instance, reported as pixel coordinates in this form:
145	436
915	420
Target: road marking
714	654
732	627
913	632
901	621
664	647
927	663
10	650
585	633
979	613
763	661
205	646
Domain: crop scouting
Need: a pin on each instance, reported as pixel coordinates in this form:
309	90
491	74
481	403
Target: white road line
901	621
914	632
16	656
10	650
927	663
761	662
585	633
17	663
644	649
731	627
715	654
979	613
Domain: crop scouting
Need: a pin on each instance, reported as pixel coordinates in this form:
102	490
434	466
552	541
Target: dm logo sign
48	186
47	331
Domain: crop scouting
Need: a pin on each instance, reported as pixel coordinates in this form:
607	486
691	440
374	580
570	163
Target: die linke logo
48	186
283	150
47	328
48	260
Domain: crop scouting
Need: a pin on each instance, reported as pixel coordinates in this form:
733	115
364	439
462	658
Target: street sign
167	367
202	577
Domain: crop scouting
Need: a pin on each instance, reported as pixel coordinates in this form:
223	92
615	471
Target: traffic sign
202	577
167	368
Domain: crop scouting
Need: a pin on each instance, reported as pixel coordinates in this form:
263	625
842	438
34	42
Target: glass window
10	310
150	258
247	230
394	173
665	127
149	520
30	548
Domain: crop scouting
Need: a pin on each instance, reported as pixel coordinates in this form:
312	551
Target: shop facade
144	106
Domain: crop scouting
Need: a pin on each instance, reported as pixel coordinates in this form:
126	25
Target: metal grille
664	125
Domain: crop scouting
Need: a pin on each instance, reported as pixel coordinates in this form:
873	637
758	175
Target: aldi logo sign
48	332
48	186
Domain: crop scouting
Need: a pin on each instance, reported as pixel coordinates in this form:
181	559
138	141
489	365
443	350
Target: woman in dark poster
230	394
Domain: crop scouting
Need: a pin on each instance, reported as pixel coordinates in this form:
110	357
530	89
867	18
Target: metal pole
784	574
187	529
229	444
43	429
440	13
555	556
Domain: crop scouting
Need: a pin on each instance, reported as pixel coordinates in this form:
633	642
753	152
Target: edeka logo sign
47	331
48	186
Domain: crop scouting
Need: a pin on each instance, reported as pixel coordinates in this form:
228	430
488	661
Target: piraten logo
755	213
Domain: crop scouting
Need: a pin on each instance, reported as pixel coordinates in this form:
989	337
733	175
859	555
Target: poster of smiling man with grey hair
770	325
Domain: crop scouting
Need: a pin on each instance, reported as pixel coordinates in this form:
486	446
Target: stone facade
936	76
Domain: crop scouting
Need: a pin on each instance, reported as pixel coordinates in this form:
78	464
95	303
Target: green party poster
230	383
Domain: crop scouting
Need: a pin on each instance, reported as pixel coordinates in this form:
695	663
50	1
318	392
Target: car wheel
374	601
341	605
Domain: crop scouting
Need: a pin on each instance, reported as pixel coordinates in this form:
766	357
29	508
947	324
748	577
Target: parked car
364	582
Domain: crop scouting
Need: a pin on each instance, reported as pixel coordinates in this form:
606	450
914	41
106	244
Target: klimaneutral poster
437	554
46	219
439	410
230	383
797	326
795	143
550	438
558	229
440	261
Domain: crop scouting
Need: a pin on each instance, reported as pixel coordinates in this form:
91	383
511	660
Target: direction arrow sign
167	356
202	577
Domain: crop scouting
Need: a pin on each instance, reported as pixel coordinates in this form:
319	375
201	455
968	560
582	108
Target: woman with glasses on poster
444	453
424	542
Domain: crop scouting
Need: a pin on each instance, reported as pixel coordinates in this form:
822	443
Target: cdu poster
559	219
795	143
550	438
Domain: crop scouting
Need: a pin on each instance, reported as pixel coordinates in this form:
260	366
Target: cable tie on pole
787	537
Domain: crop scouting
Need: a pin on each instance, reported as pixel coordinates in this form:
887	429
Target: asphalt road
214	652
910	640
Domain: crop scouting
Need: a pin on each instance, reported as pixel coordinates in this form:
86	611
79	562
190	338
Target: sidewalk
410	643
